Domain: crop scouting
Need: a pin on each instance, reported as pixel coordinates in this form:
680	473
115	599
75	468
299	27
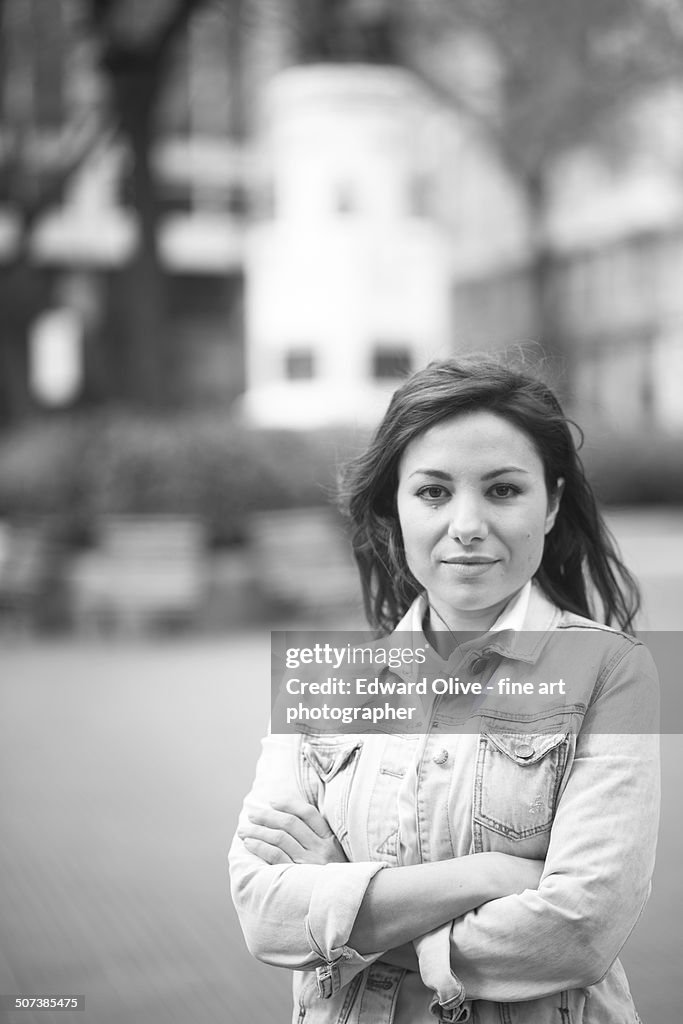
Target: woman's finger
284	821
265	852
297	828
316	850
277	838
305	812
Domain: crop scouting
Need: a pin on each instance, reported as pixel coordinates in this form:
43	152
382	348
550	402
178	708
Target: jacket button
478	665
441	757
524	750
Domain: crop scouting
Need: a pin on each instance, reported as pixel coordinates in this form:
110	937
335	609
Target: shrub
211	466
41	474
642	469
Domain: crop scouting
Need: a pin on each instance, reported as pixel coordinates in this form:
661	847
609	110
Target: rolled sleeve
298	916
434	957
334	904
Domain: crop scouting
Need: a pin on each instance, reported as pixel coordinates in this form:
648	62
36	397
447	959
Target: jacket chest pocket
517	780
330	765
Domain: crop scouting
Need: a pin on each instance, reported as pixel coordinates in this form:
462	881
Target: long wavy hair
580	560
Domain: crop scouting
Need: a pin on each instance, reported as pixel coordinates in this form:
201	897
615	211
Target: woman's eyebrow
439	473
505	469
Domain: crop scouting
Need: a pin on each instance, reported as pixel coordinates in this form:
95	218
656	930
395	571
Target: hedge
78	469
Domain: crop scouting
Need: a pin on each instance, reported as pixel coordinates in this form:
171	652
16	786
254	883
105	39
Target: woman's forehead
473	436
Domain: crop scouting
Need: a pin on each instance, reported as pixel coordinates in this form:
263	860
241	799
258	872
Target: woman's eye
433	492
504	490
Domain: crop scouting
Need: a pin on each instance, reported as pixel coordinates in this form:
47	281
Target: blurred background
228	229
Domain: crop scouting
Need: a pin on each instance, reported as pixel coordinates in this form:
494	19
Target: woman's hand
290	832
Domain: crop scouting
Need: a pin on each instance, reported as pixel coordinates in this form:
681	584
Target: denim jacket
568	789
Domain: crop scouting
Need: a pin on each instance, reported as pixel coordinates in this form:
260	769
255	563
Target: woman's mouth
470	566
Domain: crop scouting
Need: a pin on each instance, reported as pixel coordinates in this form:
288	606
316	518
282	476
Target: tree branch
172	28
99	11
31	209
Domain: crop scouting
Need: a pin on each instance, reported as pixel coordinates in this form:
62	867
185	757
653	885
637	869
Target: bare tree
136	46
560	76
32	185
135	54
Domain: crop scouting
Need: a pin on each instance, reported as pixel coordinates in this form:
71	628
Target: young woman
490	873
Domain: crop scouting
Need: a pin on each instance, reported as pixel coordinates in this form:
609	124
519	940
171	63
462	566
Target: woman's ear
554	505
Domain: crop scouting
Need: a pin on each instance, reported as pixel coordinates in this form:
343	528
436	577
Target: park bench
146	571
303	559
27	563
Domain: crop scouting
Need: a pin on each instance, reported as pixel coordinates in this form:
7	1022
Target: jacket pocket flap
327	759
526	748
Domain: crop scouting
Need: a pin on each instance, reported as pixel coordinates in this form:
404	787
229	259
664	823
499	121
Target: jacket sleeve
596	881
298	916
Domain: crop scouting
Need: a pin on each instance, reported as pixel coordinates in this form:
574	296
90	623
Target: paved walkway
651	543
121	773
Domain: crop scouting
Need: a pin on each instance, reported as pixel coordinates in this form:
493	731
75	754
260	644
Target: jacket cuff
434	956
333	908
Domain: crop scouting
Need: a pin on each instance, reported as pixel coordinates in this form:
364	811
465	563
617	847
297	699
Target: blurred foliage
76	470
634	469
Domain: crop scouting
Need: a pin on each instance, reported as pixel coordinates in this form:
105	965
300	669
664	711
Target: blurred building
348	275
374	230
614	236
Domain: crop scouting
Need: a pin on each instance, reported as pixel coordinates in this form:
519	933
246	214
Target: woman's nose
467	522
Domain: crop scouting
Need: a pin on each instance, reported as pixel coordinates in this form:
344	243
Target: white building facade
349	268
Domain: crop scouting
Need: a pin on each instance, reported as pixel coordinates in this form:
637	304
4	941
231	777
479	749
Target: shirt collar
520	628
512	616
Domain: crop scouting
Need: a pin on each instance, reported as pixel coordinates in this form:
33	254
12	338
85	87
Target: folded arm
301	905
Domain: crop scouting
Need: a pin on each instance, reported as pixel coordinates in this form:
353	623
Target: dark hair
580	560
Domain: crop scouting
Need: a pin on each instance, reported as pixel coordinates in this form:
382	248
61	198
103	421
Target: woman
489	871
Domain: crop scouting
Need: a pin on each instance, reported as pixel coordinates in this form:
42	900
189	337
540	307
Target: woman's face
474	512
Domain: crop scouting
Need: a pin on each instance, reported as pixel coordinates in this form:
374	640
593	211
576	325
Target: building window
421	196
263	201
174	197
299	364
345	198
238	200
391	361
